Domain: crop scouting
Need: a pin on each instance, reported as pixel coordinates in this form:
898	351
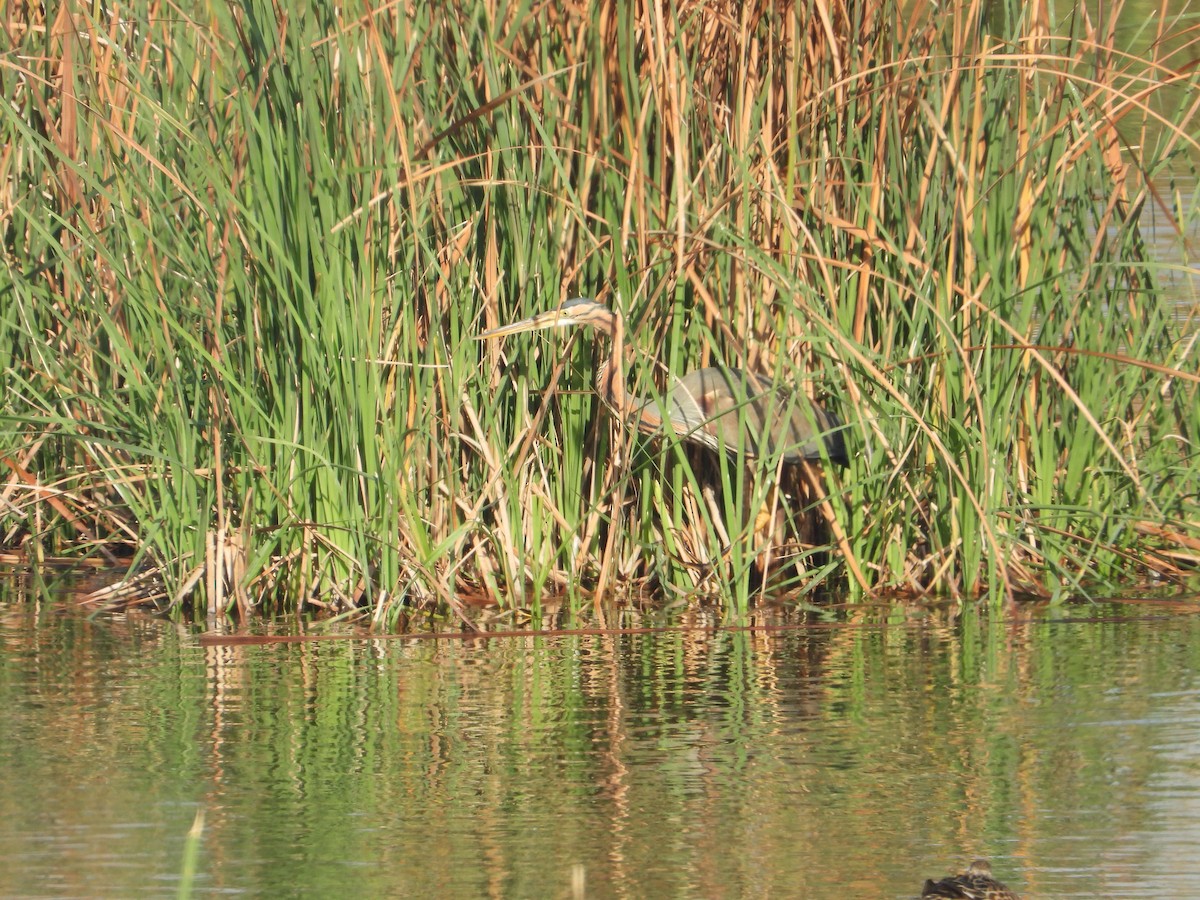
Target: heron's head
579	311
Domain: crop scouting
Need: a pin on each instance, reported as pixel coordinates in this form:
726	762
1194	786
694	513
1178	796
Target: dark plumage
976	883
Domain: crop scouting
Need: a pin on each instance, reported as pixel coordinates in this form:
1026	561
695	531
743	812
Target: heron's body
714	406
976	883
719	408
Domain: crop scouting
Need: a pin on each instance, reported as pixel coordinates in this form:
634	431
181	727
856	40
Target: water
846	758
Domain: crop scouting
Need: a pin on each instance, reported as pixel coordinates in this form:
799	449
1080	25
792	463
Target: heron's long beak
550	319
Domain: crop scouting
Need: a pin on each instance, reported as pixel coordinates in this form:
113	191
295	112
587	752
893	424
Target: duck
976	883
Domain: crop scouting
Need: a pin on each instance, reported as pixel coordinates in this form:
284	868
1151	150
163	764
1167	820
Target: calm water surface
846	758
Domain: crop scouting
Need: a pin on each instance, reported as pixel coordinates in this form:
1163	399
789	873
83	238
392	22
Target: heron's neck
612	375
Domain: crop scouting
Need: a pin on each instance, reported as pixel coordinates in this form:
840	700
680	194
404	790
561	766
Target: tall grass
246	249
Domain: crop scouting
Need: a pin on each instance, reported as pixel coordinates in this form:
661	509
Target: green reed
246	254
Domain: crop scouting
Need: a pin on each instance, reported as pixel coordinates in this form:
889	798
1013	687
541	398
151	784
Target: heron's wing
731	408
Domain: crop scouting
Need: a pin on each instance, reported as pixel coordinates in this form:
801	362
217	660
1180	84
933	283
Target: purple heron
714	407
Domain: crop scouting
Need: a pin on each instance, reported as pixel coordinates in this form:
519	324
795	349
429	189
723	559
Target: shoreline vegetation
247	247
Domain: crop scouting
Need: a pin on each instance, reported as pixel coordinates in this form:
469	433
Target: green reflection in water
854	758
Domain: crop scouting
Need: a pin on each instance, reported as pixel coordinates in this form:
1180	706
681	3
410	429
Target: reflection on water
855	758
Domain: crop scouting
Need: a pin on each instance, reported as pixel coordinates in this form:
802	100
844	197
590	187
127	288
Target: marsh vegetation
246	248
